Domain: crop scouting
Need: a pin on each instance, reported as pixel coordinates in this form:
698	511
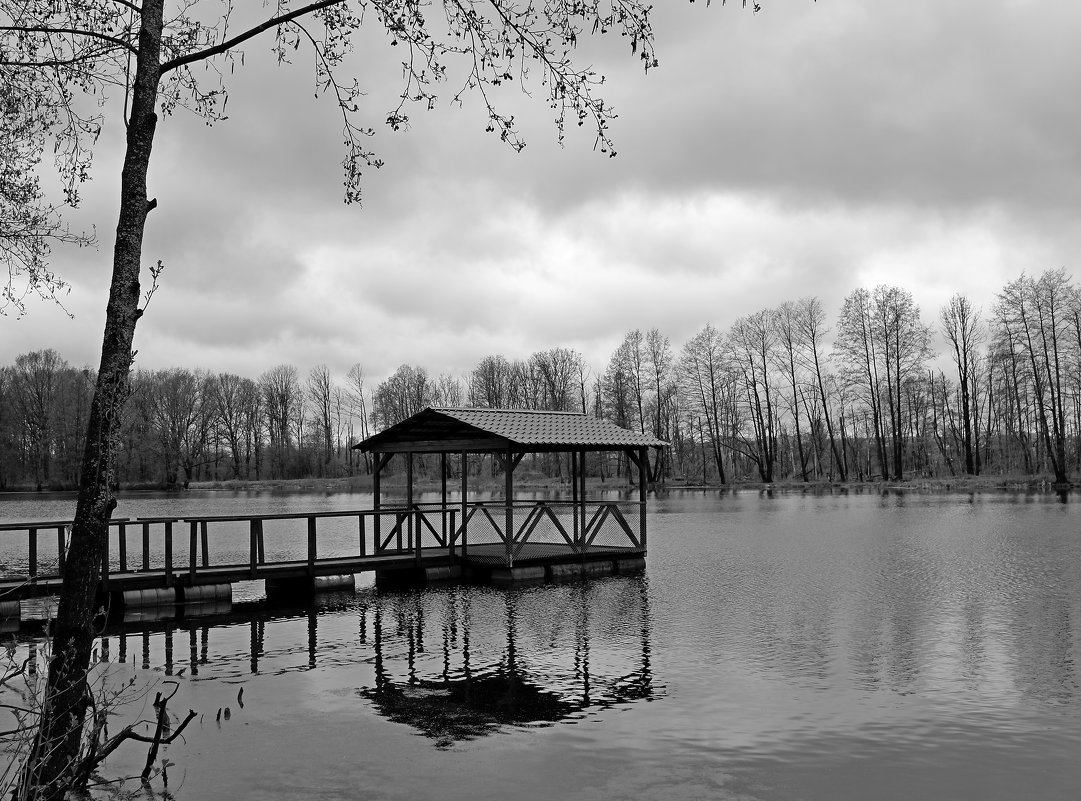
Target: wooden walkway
427	540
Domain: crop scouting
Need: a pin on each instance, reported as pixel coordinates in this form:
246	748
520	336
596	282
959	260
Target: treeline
781	395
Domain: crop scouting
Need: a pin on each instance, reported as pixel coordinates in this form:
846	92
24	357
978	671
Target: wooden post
409	498
105	562
378	463
193	548
33	543
360	526
311	546
254	527
168	553
203	542
465	503
122	531
60	555
443	494
578	536
643	456
146	546
509	489
582	491
418	528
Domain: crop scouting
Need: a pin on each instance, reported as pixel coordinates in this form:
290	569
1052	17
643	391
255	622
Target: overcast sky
809	149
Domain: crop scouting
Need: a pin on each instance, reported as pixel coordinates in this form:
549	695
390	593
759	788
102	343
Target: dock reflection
454	663
543	671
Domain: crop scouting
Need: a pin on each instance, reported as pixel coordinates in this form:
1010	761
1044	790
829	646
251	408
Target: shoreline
950	484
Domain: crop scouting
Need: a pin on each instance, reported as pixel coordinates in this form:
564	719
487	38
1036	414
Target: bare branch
74	32
251	33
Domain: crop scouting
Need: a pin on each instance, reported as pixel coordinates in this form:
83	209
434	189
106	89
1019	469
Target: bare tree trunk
52	760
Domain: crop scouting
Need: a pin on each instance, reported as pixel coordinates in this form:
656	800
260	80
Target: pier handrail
24	526
369	537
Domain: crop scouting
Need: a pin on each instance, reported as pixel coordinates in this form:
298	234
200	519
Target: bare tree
883	344
448	390
786	322
658	353
228	398
175	400
35	384
905	346
811	322
406	392
280	389
1034	317
321	398
358	407
559	370
629	362
858	351
962	327
702	371
753	340
489	383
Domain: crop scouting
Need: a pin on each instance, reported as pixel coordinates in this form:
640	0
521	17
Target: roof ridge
504	410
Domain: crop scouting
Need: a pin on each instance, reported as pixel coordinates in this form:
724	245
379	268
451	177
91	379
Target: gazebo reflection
520	658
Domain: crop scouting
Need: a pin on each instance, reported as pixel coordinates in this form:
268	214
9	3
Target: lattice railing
547	529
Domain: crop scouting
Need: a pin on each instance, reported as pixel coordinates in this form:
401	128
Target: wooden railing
148	545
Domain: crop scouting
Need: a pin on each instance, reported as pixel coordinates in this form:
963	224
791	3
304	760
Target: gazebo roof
450	430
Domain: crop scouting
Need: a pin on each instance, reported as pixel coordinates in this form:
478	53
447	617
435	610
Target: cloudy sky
809	149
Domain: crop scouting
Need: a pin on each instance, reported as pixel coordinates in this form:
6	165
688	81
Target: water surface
845	646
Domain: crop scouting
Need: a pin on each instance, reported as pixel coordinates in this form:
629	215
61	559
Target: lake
778	647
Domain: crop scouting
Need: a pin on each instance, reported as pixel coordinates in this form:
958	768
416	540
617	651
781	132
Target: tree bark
51	766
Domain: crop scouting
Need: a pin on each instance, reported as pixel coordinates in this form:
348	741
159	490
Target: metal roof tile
522	427
543	427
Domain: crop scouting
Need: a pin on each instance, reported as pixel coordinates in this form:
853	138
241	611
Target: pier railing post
465	502
360	526
509	491
60	555
417	528
579	535
377	461
122	532
204	543
146	545
409	497
311	546
254	529
443	493
33	557
105	563
168	553
644	456
193	548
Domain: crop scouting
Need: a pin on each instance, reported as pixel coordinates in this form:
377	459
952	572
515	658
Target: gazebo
507	540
